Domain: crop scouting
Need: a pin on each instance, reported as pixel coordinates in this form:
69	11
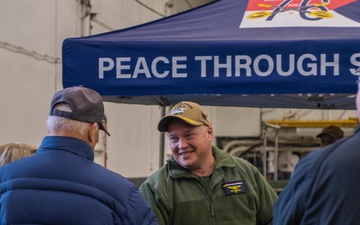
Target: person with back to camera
201	184
61	184
324	188
329	135
13	151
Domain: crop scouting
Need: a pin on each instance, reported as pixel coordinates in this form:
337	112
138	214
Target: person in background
60	183
201	184
324	188
13	151
330	134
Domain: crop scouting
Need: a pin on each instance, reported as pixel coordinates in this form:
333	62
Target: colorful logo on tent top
296	13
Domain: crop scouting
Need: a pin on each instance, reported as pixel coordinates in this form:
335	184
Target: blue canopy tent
250	53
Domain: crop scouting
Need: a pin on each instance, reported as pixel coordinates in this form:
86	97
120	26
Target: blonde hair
14	151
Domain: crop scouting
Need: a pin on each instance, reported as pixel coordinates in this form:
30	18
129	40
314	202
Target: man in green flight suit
201	184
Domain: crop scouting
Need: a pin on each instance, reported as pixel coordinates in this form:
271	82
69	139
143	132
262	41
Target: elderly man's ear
93	134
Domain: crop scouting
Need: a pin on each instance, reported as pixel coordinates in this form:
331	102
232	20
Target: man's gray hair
56	123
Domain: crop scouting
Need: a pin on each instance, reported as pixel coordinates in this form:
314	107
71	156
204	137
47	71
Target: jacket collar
68	144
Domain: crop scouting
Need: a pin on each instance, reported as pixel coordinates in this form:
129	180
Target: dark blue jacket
62	185
325	187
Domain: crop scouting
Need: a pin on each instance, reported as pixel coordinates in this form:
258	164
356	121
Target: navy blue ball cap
86	105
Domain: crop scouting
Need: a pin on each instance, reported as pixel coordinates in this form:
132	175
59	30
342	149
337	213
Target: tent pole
264	152
162	140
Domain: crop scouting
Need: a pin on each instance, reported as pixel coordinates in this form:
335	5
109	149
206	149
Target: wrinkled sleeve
290	207
267	198
153	198
139	211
